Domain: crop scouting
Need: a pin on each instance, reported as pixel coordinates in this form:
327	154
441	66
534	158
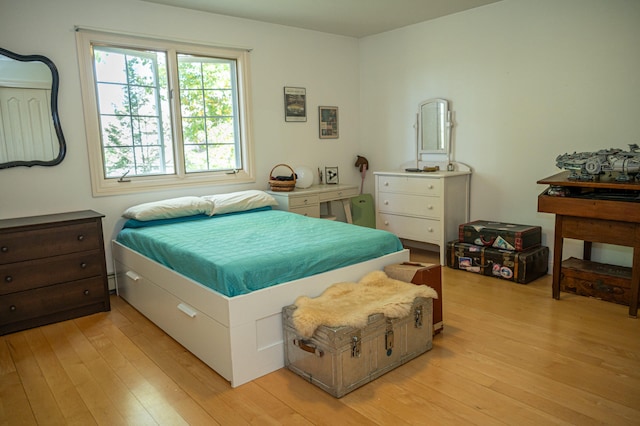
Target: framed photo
295	104
331	175
328	122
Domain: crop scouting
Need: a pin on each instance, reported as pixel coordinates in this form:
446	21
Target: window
161	113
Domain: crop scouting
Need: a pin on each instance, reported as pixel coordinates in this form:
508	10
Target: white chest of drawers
423	207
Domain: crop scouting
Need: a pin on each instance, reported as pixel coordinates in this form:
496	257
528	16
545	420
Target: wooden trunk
606	282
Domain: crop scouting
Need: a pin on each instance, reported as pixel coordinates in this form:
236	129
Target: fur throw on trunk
350	304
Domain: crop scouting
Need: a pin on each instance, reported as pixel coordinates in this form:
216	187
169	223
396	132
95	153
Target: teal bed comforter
239	253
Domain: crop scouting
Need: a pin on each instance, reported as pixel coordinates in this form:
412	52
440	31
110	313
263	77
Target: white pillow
168	209
240	201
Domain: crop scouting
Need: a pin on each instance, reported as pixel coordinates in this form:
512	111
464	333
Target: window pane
209	113
134	112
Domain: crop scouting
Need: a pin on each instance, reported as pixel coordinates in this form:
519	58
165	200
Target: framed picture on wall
295	104
331	175
328	116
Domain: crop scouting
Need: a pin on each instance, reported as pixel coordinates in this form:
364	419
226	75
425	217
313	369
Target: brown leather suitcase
518	266
422	274
505	236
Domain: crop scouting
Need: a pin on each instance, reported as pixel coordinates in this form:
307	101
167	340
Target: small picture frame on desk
331	175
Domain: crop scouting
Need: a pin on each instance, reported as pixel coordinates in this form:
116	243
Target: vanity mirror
30	131
434	127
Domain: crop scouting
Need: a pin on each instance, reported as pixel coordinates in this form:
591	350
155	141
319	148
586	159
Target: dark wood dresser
52	268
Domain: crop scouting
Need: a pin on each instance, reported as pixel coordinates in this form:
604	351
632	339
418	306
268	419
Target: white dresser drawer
338	194
311	211
414	205
410	185
411	228
304	201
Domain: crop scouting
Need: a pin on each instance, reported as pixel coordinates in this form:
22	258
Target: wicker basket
282	185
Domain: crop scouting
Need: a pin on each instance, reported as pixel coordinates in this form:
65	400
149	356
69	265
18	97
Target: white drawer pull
386	222
430	186
386	203
386	184
430	229
187	310
133	276
430	207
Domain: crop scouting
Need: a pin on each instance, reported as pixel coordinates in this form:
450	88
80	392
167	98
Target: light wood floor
509	354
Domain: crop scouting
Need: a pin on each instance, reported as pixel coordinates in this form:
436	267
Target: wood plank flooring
509	354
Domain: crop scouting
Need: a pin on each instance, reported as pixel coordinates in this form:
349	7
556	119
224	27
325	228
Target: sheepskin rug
350	304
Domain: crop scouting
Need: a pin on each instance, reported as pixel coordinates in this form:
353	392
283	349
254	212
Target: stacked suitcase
509	251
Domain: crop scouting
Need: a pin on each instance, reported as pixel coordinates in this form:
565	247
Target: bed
223	301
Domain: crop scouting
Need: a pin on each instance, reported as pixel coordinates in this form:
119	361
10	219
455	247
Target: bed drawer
411	228
181	320
414	205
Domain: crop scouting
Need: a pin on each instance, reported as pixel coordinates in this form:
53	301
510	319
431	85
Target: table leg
586	250
635	282
346	204
557	257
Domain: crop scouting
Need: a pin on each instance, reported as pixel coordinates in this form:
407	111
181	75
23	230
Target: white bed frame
240	337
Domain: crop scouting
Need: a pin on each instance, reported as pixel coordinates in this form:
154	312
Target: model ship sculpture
588	165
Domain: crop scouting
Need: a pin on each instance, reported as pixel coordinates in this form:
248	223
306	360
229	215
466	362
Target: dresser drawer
311	211
51	241
304	201
414	205
410	185
26	305
411	228
43	272
337	194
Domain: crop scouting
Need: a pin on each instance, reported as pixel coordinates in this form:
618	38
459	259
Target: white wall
527	81
326	65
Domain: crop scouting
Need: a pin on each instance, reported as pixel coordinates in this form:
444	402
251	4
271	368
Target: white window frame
102	186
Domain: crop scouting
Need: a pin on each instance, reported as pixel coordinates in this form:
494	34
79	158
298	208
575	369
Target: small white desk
307	201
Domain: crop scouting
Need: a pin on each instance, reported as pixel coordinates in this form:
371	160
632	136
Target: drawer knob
386	222
80	237
386	203
83	265
430	187
86	292
4	249
430	229
13	308
8	279
430	207
386	184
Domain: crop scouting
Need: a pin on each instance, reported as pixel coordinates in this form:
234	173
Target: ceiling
353	18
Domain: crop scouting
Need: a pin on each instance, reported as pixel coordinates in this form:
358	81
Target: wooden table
594	220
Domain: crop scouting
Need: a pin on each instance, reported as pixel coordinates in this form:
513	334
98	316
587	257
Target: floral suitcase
341	359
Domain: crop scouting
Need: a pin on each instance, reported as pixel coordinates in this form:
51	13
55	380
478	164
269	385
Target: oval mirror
30	131
433	127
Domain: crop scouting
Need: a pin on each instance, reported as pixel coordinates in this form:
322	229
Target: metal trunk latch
388	339
356	346
417	315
